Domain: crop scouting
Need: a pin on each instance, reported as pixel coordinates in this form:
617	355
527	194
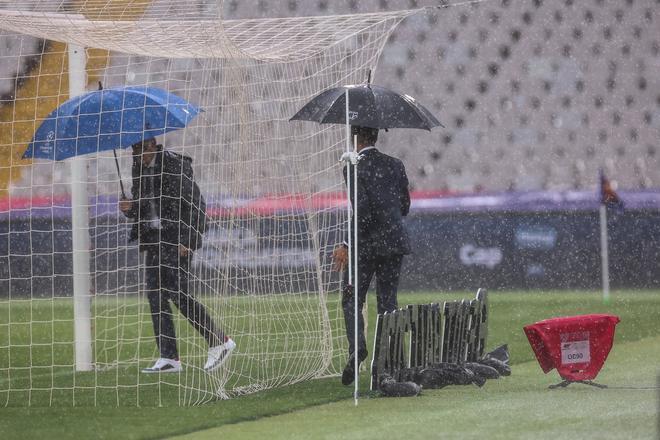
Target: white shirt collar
152	163
370	147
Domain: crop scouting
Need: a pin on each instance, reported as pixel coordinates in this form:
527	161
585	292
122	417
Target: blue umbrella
107	119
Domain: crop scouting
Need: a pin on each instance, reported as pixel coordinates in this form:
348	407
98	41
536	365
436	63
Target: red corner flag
608	197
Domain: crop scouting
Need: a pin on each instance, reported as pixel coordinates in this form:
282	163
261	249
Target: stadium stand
534	94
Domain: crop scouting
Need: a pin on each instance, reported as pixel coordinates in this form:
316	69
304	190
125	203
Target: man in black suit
383	201
166	227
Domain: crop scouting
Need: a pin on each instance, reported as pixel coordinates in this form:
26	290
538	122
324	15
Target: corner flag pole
608	199
604	255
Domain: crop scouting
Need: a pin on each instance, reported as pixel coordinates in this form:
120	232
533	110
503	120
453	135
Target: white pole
604	255
352	268
82	302
348	193
356	349
350	157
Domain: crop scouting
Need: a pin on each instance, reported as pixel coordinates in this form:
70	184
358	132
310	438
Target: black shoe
348	375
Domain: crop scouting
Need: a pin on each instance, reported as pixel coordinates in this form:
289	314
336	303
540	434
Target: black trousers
166	278
387	270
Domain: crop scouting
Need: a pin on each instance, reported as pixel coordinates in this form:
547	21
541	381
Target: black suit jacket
172	191
383	201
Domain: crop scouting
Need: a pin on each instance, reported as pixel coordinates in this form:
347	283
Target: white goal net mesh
273	194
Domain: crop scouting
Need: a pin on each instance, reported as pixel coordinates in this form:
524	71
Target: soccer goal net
272	188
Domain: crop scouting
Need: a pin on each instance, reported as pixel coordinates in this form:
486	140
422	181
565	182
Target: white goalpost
75	327
82	286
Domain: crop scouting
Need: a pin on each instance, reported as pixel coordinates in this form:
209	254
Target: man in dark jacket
383	201
166	227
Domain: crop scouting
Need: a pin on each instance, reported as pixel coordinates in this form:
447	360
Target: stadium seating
536	95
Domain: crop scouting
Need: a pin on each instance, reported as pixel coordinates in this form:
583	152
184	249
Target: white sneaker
219	354
163	365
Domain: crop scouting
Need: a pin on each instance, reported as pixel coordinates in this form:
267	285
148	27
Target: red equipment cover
576	346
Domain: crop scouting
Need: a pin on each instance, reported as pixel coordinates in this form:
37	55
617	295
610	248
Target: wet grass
280	339
516	407
308	411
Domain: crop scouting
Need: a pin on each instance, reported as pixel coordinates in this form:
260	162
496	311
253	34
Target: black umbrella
370	106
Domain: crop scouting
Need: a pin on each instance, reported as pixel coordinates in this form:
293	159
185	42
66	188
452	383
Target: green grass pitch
519	406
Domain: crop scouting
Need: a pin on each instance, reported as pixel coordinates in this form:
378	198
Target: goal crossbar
290	38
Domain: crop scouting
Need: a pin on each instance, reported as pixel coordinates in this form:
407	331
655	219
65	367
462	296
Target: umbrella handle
121	183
